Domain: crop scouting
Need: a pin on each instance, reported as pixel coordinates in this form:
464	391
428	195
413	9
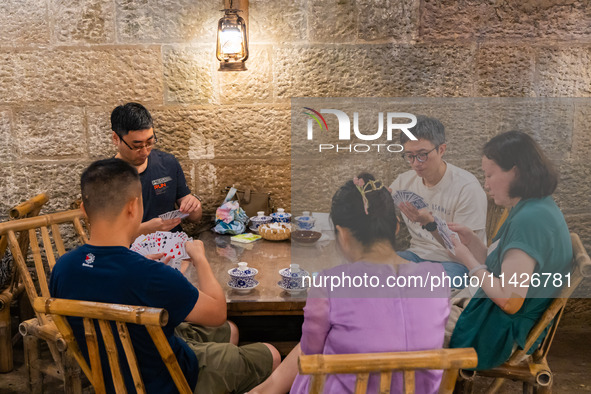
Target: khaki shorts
224	367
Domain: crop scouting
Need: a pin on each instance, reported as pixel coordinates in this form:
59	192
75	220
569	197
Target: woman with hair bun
365	319
532	245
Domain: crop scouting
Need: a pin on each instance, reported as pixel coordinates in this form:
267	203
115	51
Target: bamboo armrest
372	362
48	332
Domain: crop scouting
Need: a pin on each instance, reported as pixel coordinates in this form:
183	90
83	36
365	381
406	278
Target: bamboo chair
106	314
495	217
42	327
29	208
533	370
363	364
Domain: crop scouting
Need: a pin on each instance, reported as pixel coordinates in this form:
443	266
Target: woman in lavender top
368	319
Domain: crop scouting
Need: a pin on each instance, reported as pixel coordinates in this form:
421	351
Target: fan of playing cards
446	234
407	196
173	215
172	244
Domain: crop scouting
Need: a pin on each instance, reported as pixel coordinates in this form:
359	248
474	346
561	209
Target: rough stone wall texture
64	65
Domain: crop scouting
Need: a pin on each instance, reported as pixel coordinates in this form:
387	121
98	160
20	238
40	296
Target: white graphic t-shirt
458	198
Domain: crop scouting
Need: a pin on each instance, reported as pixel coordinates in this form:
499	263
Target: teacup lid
281	213
294	271
261	217
243	270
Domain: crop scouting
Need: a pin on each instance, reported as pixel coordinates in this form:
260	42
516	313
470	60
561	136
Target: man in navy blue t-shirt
163	180
105	270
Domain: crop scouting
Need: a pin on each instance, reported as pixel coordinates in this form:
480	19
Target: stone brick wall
65	65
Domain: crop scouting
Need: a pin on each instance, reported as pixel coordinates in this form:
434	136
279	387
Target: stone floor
569	358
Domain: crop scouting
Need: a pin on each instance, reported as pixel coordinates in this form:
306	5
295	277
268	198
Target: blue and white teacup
242	277
305	222
281	216
292	278
260	219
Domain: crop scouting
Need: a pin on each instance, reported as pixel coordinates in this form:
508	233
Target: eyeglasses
421	157
148	145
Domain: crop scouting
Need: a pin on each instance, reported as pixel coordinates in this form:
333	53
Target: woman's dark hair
536	176
348	211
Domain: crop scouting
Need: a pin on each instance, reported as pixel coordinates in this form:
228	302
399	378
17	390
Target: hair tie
363	189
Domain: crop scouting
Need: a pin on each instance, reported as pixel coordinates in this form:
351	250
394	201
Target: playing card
446	234
173	215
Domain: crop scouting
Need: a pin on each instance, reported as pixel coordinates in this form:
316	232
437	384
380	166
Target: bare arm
157	224
509	297
210	308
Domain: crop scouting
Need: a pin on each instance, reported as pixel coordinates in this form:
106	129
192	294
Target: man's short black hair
107	185
129	117
429	129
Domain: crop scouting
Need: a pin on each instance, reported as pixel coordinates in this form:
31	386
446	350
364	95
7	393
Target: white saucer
292	292
243	290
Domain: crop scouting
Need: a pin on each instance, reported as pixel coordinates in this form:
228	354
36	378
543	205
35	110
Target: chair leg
543	389
72	379
34	376
528	388
495	386
464	386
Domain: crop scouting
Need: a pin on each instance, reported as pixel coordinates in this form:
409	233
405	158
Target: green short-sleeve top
537	227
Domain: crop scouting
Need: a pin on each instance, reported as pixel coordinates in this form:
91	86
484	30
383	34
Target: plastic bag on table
229	217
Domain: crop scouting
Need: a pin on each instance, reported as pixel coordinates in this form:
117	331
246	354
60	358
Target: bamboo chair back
152	318
44	258
495	217
364	364
52	245
29	208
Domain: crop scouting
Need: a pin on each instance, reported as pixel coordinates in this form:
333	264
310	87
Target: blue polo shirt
114	274
163	183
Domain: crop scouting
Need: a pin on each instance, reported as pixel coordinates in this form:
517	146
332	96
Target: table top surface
268	257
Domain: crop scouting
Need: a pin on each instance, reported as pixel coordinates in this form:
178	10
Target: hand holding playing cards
467	236
461	252
158	256
159	224
413	214
471	240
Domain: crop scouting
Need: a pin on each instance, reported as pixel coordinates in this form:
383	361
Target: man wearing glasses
452	194
161	175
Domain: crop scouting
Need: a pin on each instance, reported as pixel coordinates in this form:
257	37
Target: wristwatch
431	226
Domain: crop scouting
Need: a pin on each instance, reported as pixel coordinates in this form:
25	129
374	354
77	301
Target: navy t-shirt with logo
114	274
163	183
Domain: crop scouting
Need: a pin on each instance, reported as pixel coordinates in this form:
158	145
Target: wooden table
268	257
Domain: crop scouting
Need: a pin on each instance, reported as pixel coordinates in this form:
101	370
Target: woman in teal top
530	256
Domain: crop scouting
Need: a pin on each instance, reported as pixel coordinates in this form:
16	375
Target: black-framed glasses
421	157
148	145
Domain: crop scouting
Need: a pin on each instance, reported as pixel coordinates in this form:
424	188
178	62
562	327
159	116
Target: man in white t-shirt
452	194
